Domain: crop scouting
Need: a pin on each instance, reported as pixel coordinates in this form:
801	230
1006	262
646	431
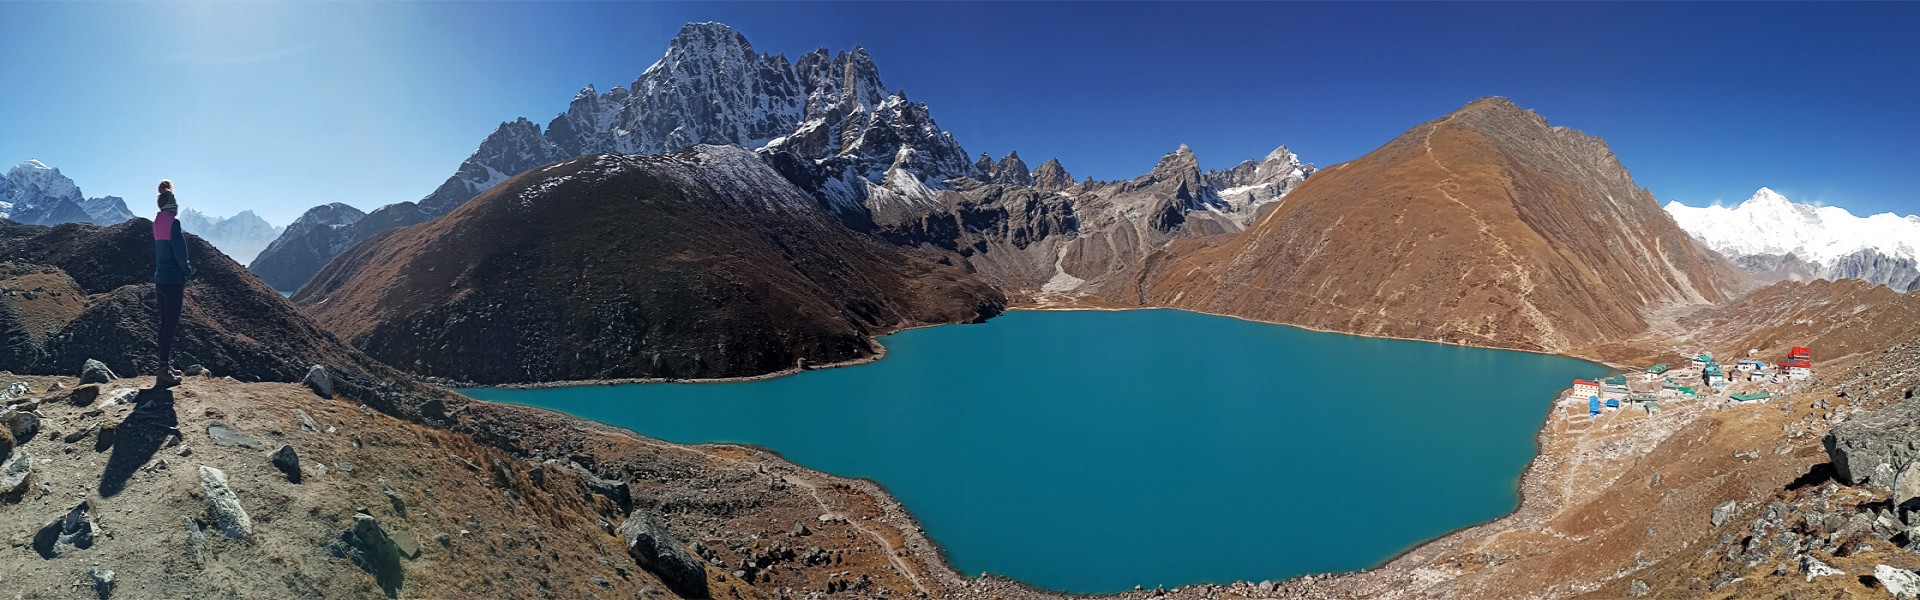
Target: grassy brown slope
1484	227
622	267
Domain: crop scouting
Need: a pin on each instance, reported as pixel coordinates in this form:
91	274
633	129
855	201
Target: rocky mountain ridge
36	194
1776	238
702	263
828	110
241	236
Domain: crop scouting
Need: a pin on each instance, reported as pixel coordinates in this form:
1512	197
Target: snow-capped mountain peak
32	192
1769	232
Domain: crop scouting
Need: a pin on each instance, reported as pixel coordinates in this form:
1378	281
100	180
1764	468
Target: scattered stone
1724	511
800	529
6	443
55	387
96	372
17	389
16	475
1901	583
287	461
224	506
443	539
102	583
226	435
83	395
305	421
1812	567
195	370
184	451
655	550
75	530
126	396
196	540
319	381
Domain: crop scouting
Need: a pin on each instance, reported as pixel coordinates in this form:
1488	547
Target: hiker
170	274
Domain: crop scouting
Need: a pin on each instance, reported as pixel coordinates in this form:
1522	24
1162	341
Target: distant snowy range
36	194
1775	238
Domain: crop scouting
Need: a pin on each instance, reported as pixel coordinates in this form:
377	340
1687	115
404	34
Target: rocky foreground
220	488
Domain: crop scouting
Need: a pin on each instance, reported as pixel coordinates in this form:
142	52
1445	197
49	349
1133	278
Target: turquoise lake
1092	451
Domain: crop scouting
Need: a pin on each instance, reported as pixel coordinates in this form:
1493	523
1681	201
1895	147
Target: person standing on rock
170	274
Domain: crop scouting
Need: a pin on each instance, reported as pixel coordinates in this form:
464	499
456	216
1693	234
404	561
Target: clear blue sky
279	107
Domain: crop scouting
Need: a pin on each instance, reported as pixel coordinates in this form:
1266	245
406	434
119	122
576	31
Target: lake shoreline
934	553
880	352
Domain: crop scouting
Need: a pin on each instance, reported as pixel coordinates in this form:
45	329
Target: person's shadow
138	438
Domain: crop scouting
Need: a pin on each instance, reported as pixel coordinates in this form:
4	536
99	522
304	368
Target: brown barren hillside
699	264
1484	227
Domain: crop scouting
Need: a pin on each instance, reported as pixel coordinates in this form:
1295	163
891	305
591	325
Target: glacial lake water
1092	451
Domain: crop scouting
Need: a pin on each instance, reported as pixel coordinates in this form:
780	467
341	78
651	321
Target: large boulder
319	381
1871	448
95	371
655	550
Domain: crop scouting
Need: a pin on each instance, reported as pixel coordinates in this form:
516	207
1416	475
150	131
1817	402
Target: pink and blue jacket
170	264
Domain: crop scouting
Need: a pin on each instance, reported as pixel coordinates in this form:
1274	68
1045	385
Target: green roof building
1752	397
1657	369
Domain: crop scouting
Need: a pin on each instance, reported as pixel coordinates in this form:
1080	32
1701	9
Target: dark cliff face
699	264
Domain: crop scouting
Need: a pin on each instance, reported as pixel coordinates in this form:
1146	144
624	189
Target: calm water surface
1093	451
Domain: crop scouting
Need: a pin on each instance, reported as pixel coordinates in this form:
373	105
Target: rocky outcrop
1052	177
376	553
656	550
1879	448
702	263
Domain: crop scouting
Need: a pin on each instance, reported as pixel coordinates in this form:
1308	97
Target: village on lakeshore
1741	381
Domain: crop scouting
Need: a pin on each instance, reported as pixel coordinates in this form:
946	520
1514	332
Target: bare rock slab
225	435
223	505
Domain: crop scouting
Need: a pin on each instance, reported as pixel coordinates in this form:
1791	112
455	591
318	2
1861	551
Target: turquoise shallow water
1093	451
